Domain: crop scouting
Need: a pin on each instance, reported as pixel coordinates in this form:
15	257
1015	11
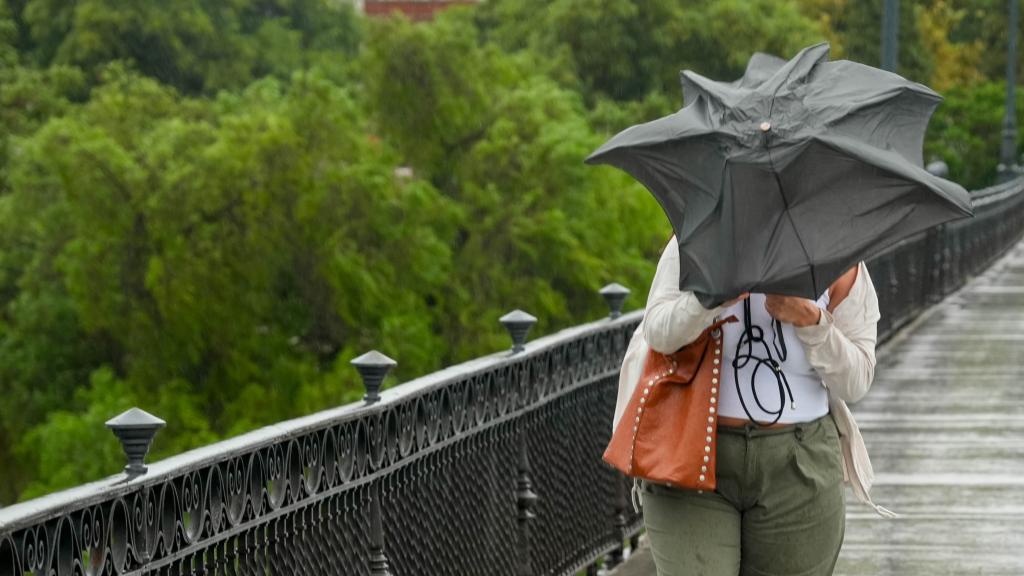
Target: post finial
614	294
135	428
518	324
373	367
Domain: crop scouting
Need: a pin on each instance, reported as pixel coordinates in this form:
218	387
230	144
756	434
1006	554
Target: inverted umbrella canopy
782	180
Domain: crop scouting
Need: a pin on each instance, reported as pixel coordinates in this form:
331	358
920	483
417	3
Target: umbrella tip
595	157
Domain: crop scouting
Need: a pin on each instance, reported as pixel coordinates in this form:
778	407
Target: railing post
373	367
912	284
947	261
614	557
934	254
1008	168
957	261
894	287
890	35
526	499
378	559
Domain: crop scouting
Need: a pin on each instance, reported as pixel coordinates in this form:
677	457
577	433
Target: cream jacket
840	347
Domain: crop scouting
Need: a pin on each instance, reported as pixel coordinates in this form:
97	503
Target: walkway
944	424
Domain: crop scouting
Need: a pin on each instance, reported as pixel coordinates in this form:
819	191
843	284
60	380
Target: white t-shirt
809	396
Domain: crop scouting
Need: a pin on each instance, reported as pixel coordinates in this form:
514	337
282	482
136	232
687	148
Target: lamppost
890	35
1008	167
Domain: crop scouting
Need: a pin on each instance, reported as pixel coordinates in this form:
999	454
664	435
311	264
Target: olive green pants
778	509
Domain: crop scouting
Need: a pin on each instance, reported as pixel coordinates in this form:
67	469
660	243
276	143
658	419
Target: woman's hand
792	309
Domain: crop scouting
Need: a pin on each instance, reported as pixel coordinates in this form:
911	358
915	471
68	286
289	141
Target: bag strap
718	321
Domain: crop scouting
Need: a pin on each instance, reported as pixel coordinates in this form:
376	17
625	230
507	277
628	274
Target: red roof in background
414	9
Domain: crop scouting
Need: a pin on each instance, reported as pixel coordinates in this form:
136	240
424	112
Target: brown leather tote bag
668	431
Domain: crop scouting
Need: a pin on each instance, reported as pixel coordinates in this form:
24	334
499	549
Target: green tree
966	132
723	34
8	38
538	230
238	252
28	98
959	63
625	50
858	27
194	46
986	22
433	89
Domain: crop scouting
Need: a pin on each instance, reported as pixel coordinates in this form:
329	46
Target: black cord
779	340
752	334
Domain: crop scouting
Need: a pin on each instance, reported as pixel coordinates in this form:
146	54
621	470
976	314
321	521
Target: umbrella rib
796	232
778	181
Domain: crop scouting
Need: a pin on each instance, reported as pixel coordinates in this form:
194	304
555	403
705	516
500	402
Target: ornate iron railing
490	467
922	269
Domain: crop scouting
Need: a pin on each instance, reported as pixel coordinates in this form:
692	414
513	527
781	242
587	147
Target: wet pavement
944	425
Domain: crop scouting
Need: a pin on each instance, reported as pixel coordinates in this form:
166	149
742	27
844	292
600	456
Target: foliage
449	88
239	251
985	22
858	25
958	63
608	117
966	132
195	46
732	30
538	229
625	50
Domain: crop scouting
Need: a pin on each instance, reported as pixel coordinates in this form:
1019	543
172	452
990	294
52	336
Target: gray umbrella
782	180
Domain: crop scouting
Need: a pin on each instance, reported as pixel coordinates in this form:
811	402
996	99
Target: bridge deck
944	424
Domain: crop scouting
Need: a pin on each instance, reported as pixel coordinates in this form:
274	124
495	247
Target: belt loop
799	432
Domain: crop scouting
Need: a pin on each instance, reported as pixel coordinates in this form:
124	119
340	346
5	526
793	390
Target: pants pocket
817	456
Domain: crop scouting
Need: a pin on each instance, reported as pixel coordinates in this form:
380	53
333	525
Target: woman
786	439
